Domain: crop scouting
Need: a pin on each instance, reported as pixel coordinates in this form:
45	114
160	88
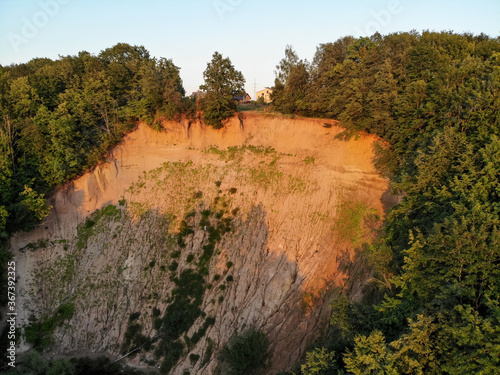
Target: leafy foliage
291	84
246	353
222	83
432	98
319	362
58	118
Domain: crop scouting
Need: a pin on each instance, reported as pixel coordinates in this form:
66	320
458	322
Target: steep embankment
209	232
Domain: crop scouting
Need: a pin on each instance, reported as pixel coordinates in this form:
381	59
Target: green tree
371	356
222	83
35	203
61	367
286	64
159	91
246	353
33	363
58	118
97	94
319	362
291	84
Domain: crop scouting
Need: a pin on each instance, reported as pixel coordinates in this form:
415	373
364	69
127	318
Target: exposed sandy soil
287	252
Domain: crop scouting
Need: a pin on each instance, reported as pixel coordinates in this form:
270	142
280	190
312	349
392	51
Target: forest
432	305
58	119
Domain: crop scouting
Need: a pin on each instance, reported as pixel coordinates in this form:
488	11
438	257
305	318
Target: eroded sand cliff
280	193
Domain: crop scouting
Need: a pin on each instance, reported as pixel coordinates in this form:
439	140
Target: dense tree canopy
58	118
433	98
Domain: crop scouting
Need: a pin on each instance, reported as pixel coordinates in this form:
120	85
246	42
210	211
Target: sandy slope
286	248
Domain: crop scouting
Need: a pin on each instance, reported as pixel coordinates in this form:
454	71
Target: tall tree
222	83
291	84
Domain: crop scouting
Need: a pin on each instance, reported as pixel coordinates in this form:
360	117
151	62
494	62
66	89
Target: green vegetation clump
233	153
33	363
134	316
194	358
86	229
319	362
40	334
102	366
266	174
176	254
111	211
134	339
309	160
173	354
351	217
205	215
245	353
203	329
173	266
208	351
184	230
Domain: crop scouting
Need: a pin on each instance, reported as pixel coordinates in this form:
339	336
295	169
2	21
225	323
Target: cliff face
192	234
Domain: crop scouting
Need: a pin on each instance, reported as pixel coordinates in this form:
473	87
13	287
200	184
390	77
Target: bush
194	358
319	362
61	367
40	333
134	316
33	363
173	266
246	353
100	366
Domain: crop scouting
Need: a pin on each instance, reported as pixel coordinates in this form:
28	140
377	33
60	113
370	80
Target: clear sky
252	33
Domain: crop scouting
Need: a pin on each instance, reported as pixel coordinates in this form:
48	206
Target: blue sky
252	33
